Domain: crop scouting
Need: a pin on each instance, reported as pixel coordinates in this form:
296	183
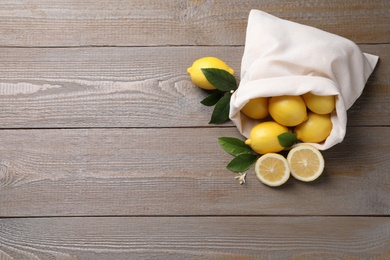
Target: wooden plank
133	87
175	22
103	87
196	238
178	171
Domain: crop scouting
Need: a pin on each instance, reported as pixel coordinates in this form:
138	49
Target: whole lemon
256	108
315	129
264	137
197	75
287	110
319	104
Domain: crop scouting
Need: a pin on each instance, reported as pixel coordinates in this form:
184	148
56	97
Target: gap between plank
147	46
196	216
152	127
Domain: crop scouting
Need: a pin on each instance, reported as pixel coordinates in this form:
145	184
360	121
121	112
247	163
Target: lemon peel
315	129
287	110
198	77
319	104
264	137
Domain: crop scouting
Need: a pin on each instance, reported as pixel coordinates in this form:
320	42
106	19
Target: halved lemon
272	169
306	162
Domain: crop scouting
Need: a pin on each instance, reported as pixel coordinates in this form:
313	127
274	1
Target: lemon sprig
220	79
244	156
212	98
225	85
287	139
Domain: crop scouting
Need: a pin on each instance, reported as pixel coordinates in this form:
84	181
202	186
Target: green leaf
287	139
234	146
242	162
221	110
212	99
221	79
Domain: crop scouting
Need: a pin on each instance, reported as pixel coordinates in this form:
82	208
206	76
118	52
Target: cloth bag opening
286	58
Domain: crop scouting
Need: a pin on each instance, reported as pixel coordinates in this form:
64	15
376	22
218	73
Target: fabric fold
286	58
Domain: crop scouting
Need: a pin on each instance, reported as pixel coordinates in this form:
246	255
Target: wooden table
106	152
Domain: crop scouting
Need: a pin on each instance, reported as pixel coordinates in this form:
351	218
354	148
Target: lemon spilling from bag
197	76
287	110
315	129
264	137
306	162
256	108
319	104
272	169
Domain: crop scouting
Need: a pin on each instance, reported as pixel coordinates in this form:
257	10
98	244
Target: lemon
315	129
264	137
272	169
306	162
319	104
256	108
197	75
287	110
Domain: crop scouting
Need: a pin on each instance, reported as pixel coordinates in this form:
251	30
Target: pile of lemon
308	116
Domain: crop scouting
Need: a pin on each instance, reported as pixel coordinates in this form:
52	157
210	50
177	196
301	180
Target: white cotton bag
286	58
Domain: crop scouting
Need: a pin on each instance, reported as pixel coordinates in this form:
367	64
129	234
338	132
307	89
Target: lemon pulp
306	162
272	169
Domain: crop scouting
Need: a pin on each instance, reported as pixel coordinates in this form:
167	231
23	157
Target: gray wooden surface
106	152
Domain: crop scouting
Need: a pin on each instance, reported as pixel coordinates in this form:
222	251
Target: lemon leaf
221	110
287	139
234	146
212	99
242	162
221	79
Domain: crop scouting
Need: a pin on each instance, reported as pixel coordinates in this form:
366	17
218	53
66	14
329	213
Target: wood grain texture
177	22
105	150
196	238
134	87
104	87
178	172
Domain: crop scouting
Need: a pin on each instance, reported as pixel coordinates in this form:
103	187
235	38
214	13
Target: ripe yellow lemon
264	137
197	75
319	104
256	108
306	162
315	129
287	110
272	169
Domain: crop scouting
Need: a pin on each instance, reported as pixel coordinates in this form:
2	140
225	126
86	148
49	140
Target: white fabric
286	58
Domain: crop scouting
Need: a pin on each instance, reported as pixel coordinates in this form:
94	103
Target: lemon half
272	169
306	163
